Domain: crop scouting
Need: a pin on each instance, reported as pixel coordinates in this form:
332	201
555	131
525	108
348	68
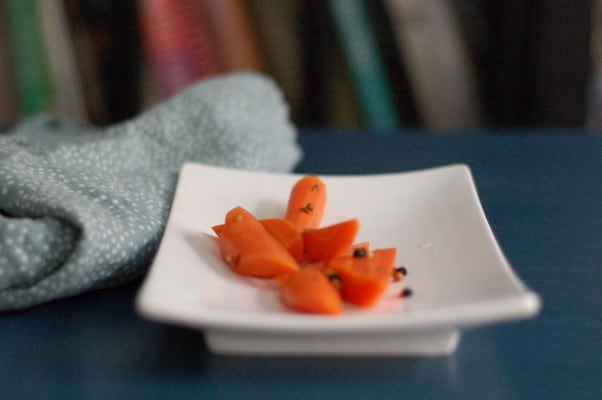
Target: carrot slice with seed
356	246
250	249
309	290
281	229
306	202
287	234
364	279
328	242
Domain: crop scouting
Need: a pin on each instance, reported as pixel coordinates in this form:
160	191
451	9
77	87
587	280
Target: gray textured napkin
84	208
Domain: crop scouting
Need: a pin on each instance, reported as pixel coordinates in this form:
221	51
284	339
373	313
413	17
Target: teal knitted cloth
84	208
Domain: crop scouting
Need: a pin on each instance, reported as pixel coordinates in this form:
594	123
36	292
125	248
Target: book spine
316	55
277	29
235	39
593	120
361	51
396	71
68	100
9	102
87	62
33	82
176	40
344	106
437	63
114	32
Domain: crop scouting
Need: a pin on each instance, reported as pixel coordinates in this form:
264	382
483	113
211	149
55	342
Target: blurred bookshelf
382	65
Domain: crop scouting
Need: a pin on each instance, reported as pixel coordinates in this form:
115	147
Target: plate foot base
429	343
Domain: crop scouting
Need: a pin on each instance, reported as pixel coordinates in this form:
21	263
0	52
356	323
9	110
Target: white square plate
458	274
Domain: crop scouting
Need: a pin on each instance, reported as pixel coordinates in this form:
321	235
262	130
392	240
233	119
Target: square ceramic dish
458	274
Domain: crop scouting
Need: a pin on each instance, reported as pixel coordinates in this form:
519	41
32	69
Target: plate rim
523	304
520	306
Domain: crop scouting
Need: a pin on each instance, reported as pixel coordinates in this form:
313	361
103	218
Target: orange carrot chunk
325	243
281	229
309	290
365	246
363	279
287	234
386	258
320	265
218	228
249	249
306	203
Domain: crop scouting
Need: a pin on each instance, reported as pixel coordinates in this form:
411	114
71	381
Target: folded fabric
84	208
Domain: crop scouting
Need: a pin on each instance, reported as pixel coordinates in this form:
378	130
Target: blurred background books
380	65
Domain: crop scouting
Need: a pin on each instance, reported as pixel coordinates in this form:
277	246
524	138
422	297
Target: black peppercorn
360	252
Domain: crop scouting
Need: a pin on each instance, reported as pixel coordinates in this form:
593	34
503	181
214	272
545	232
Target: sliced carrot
386	258
283	230
309	290
250	249
218	228
287	234
306	202
317	268
364	279
315	265
325	243
356	246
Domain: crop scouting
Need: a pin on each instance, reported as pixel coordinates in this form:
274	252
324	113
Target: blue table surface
541	193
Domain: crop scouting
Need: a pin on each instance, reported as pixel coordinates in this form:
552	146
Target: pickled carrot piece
309	290
249	249
328	242
306	203
364	279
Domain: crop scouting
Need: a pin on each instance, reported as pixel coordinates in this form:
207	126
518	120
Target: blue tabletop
541	193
